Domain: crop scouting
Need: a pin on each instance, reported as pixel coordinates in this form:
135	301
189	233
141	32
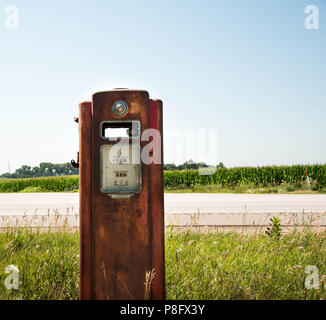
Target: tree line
189	165
46	169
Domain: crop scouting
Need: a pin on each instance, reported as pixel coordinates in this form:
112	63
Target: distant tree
36	171
24	172
188	165
44	169
6	175
221	165
170	166
202	165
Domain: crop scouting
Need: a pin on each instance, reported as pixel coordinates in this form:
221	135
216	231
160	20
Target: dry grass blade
149	277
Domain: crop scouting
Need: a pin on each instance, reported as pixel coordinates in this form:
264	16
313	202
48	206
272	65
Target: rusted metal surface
85	200
157	206
121	239
121	227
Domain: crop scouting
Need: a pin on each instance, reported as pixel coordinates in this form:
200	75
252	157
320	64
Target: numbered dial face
120	169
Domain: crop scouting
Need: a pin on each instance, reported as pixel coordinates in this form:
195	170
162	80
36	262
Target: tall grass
198	265
238	266
48	264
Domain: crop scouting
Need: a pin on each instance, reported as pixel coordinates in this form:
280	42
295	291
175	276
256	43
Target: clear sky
247	68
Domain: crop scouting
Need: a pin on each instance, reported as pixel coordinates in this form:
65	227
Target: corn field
46	184
256	176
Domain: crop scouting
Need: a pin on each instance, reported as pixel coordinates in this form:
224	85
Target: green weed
274	230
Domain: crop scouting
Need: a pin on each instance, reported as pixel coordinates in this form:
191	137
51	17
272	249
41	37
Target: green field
275	179
46	184
286	177
198	266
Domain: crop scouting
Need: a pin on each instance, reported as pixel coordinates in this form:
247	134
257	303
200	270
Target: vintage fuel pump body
121	195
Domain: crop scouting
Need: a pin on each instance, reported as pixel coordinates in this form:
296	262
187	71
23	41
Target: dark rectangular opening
120	129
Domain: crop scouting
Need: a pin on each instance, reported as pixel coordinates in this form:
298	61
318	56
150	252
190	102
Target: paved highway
182	208
44	203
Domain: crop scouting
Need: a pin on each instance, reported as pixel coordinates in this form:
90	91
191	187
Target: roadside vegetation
284	188
198	265
45	184
45	169
272	179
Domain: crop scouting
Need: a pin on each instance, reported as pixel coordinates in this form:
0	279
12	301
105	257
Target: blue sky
248	68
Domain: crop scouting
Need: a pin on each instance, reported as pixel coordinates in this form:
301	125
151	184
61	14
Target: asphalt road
44	203
184	208
233	203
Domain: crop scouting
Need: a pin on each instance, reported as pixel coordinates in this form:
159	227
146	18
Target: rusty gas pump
121	195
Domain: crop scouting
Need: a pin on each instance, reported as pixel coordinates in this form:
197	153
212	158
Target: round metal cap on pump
120	108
